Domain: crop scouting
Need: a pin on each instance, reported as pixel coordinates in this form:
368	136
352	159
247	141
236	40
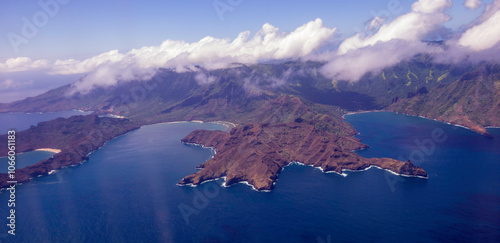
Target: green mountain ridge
472	101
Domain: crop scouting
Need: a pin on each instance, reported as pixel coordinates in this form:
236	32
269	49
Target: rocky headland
256	153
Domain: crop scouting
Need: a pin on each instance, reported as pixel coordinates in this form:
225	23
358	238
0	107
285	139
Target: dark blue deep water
127	192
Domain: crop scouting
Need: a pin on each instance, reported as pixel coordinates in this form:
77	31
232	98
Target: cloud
430	6
203	78
385	44
72	66
353	65
394	42
479	42
211	53
109	75
482	36
426	15
10	84
19	64
472	4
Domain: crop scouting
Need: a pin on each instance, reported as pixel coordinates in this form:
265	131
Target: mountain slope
472	101
169	90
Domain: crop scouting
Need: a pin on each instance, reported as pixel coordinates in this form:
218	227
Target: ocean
127	192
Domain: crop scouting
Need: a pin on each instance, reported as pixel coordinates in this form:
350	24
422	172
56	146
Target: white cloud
19	64
72	66
203	78
479	42
430	6
210	53
472	4
355	64
426	15
387	44
394	42
10	84
482	36
489	11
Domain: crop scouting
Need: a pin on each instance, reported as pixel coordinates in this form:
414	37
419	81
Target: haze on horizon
374	35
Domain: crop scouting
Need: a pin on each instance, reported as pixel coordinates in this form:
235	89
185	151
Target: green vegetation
409	76
442	77
430	77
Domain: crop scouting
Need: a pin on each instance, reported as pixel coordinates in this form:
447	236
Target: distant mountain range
170	93
411	87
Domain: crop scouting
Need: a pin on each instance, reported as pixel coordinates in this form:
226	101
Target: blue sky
79	30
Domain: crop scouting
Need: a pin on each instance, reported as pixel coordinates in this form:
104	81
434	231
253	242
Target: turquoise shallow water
127	192
24	159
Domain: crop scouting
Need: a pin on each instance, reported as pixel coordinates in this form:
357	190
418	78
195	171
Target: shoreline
223	123
299	164
423	117
361	112
40	112
56	151
380	168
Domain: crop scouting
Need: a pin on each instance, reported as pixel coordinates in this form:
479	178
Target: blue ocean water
127	192
22	121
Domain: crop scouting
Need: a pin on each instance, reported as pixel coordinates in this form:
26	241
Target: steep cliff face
472	101
257	153
76	137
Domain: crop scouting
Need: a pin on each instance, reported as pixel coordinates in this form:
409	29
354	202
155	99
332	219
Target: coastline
46	112
380	168
360	112
293	163
223	123
427	118
56	151
228	125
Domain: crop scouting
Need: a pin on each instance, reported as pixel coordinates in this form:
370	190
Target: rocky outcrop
257	153
76	137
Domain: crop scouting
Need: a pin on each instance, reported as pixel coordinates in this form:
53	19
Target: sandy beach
49	150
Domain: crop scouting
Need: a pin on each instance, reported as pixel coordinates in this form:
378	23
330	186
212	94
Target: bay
127	192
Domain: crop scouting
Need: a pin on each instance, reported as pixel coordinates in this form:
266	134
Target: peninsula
256	153
75	138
